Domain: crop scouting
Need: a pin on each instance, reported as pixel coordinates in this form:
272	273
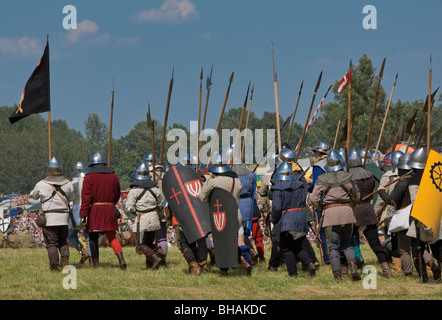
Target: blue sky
138	43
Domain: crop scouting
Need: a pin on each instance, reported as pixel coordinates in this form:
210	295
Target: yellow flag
427	207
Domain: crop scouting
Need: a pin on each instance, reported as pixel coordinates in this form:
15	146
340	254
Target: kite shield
181	187
224	219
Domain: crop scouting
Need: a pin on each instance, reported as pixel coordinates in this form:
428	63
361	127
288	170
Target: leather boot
253	256
224	272
435	269
386	270
354	270
194	268
121	261
64	261
311	270
203	265
397	265
247	268
95	262
84	256
155	261
344	269
337	274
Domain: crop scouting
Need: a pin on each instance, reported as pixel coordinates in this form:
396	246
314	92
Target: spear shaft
349	126
373	112
247	122
294	114
385	117
429	110
165	118
110	127
275	85
239	127
199	120
299	146
151	125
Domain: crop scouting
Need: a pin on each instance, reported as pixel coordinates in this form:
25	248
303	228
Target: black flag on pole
36	96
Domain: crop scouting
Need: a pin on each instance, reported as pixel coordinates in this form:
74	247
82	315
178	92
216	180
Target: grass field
25	275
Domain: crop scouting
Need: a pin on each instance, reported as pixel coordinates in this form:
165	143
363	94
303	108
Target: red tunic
100	188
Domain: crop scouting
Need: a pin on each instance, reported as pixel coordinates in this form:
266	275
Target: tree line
24	145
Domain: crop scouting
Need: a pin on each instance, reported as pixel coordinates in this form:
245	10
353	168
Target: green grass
25	275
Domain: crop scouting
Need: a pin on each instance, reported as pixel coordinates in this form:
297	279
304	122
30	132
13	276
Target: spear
337	133
373	112
294	114
298	147
165	117
349	127
406	175
208	86
151	125
385	117
199	120
428	112
317	109
220	119
240	125
275	84
410	128
426	119
247	122
110	127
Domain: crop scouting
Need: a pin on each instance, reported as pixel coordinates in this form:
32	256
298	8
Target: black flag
35	97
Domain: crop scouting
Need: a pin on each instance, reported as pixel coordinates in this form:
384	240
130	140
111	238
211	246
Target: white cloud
23	46
174	11
206	35
85	27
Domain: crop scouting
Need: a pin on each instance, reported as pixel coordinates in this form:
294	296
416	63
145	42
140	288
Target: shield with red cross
224	218
181	186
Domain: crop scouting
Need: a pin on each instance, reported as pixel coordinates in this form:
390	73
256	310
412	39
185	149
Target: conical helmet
322	147
54	167
141	172
80	170
334	162
218	165
97	158
403	162
362	154
284	172
148	157
418	158
354	158
395	158
284	146
287	155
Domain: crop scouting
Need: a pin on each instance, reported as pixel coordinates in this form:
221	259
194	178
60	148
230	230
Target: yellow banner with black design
427	207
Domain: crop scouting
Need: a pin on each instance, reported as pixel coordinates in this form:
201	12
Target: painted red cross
175	195
218	205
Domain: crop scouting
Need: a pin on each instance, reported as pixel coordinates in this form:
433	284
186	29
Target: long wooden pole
349	124
426	118
199	121
413	123
208	86
151	125
49	135
299	146
110	128
275	85
429	110
165	118
337	133
373	112
406	175
247	122
239	127
219	121
385	116
294	113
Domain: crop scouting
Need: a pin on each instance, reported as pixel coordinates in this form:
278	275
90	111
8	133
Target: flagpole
385	117
349	126
49	112
151	125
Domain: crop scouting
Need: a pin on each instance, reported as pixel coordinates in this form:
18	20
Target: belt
293	209
337	205
102	203
57	211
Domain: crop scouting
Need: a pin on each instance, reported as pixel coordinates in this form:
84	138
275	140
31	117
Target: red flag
344	81
35	97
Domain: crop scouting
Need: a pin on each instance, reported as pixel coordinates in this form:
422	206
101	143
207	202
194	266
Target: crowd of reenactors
345	202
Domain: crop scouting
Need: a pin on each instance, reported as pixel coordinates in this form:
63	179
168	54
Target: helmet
287	155
342	153
376	156
148	157
187	160
141	172
362	154
80	170
403	162
97	158
322	147
418	158
387	158
395	158
354	159
334	162
284	145
54	167
218	166
284	172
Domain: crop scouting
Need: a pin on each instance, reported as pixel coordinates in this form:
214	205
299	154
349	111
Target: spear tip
231	78
201	76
